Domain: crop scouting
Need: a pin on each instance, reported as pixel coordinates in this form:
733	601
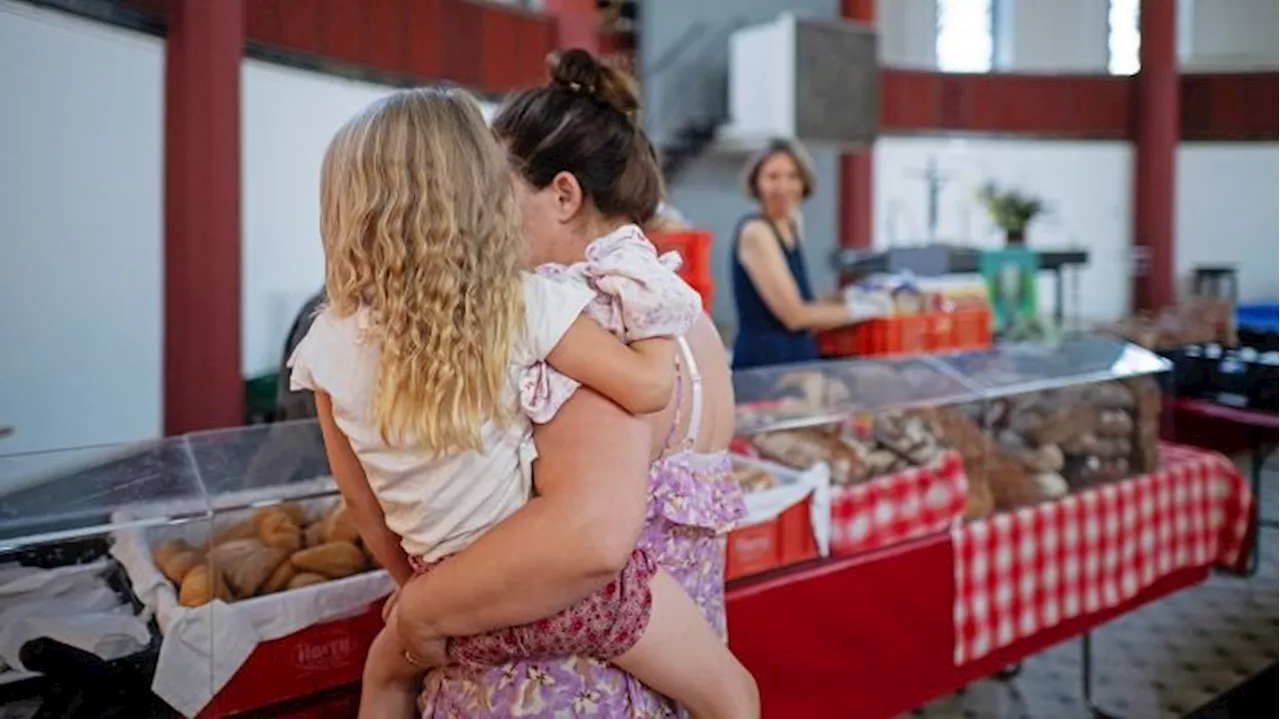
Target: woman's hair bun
580	71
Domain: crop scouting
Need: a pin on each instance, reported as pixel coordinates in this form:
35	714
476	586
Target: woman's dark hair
585	122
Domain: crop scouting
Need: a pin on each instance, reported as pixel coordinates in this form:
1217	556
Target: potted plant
1010	210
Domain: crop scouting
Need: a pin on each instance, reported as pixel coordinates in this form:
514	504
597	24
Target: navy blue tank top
762	338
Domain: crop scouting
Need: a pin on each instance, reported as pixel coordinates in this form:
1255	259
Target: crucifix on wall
934	181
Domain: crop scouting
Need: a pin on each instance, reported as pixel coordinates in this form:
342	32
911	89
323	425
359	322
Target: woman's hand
422	649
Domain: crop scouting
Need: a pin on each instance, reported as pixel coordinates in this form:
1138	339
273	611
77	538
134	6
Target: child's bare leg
390	684
679	655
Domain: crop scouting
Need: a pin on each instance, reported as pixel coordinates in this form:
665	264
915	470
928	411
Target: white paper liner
793	487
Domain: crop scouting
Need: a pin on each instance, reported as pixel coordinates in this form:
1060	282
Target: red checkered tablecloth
1020	572
898	507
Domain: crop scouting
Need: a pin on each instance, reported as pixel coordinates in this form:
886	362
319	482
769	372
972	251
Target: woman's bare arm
767	267
383	544
560	547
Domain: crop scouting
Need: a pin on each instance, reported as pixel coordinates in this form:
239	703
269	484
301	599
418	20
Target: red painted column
579	23
202	383
857	190
1156	130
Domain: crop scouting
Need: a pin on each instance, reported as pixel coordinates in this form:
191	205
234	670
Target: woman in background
777	311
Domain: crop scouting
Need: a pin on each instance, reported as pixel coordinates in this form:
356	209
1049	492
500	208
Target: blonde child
433	356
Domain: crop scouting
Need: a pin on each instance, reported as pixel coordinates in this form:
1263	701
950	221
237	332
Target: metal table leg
1087	676
1257	463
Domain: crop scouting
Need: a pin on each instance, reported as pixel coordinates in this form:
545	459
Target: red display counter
875	635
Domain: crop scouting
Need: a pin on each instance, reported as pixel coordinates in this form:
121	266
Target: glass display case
224	544
1031	422
73	633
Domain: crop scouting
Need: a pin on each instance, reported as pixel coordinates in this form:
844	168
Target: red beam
1065	106
1155	138
1230	107
202	382
857	177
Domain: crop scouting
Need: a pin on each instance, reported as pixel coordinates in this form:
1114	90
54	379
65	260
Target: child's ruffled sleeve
551	307
645	297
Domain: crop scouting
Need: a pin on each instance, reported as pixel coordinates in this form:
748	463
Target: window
1123	37
964	37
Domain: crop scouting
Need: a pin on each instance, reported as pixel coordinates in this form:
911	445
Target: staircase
691	86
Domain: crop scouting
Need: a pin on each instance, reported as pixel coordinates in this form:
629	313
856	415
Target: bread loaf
331	559
313	535
279	579
305	579
246	564
278	528
202	585
246	529
339	526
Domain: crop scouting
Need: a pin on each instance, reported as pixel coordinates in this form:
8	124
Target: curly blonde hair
419	222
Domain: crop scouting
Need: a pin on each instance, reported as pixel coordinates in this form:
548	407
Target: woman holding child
562	597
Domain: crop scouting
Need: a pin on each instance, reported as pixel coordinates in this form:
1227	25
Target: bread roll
305	579
164	551
176	566
331	559
340	527
279	579
247	529
313	535
246	564
278	528
202	585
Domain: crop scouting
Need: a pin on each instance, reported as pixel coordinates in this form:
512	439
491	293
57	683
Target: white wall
1230	35
906	33
80	222
1226	213
1087	185
1051	35
288	118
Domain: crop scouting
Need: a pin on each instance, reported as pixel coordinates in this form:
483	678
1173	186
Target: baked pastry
167	549
246	564
331	559
305	579
340	527
280	578
279	528
754	479
202	585
313	535
246	529
176	566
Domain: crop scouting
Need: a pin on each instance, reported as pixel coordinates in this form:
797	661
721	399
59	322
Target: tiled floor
1159	662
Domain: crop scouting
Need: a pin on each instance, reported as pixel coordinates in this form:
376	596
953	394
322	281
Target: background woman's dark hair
585	121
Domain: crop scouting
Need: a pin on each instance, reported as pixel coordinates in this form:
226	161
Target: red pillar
857	191
578	21
202	383
1156	129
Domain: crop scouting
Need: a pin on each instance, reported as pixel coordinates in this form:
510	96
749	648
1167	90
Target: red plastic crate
972	329
910	334
785	540
693	246
317	658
